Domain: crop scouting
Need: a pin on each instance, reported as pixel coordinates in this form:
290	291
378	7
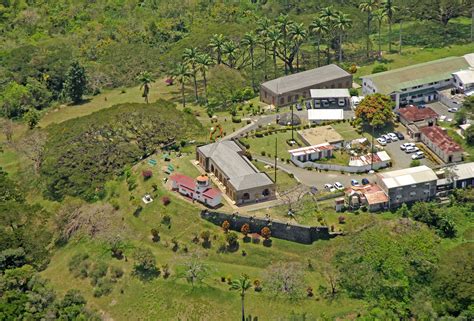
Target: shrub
231	238
147	174
137	211
266	232
245	229
342	219
353	92
155	235
166	219
165	200
379	68
103	287
262	153
415	163
116	272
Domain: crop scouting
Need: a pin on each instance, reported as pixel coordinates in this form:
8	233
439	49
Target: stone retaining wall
281	230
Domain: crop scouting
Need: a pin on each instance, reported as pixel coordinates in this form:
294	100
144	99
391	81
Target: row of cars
338	186
325	103
411	148
390	137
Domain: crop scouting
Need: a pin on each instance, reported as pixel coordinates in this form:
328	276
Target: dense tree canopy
375	110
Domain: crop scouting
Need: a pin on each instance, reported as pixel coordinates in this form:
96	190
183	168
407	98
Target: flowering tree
225	226
245	229
266	232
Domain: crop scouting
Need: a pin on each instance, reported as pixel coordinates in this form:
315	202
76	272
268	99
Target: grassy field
132	299
284	180
266	144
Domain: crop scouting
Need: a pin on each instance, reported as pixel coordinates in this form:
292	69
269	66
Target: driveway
441	109
400	159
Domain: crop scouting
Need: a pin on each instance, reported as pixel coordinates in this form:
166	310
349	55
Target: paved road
316	178
441	109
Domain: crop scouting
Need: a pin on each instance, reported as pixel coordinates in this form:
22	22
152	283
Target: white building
199	189
312	153
417	83
464	81
319	115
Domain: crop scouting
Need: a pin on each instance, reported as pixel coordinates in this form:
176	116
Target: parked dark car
400	136
298	107
308	105
365	181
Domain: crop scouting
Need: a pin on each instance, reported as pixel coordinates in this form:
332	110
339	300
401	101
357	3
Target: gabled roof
183	180
466	76
305	79
414	113
395	80
330	93
241	173
311	149
441	139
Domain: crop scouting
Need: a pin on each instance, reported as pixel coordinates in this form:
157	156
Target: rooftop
320	134
241	173
408	176
441	139
330	93
414	113
367	159
395	80
305	79
325	114
466	76
310	149
463	171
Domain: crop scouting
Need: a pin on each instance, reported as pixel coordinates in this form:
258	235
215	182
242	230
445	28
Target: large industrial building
417	83
290	89
242	181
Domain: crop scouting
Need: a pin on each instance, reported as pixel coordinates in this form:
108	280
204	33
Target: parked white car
418	155
382	141
453	109
339	186
406	145
387	138
341	102
411	149
329	187
393	136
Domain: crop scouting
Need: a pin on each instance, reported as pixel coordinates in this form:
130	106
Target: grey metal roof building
291	88
242	180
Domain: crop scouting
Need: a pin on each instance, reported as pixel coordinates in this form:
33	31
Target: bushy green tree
145	263
15	100
32	118
75	82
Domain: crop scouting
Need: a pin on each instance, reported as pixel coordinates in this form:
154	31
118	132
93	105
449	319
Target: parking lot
400	159
441	109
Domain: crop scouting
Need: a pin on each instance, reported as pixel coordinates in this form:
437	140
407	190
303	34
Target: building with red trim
198	189
415	117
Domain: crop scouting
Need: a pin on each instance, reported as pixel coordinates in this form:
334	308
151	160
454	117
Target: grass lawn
172	298
284	180
267	144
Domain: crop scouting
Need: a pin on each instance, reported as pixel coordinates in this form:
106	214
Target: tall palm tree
342	23
283	23
263	26
369	6
389	10
380	15
249	41
328	16
217	45
190	56
230	50
320	29
274	37
241	285
297	33
145	79
204	61
182	75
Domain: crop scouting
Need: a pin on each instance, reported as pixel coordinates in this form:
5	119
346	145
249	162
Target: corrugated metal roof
463	171
395	80
305	79
325	114
408	176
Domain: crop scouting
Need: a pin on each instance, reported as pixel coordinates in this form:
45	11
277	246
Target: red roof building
436	139
413	114
198	189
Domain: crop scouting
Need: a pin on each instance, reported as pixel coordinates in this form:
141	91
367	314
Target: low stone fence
281	230
335	167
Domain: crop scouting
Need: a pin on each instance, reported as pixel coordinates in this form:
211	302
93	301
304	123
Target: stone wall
335	167
281	230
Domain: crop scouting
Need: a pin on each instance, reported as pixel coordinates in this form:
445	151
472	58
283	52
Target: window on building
246	196
412	193
265	94
266	192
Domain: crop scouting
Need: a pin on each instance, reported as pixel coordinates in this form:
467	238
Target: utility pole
276	157
372	152
292	137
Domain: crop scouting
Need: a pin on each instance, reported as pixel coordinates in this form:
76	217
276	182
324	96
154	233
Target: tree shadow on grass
82	102
146	275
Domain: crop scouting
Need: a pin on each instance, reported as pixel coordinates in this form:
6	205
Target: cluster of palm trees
280	41
380	11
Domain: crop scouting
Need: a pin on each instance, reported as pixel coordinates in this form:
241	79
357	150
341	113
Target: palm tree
217	44
369	6
204	61
182	75
342	23
283	23
389	10
380	15
328	16
320	29
297	33
249	41
190	56
230	49
145	79
274	37
262	32
241	285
